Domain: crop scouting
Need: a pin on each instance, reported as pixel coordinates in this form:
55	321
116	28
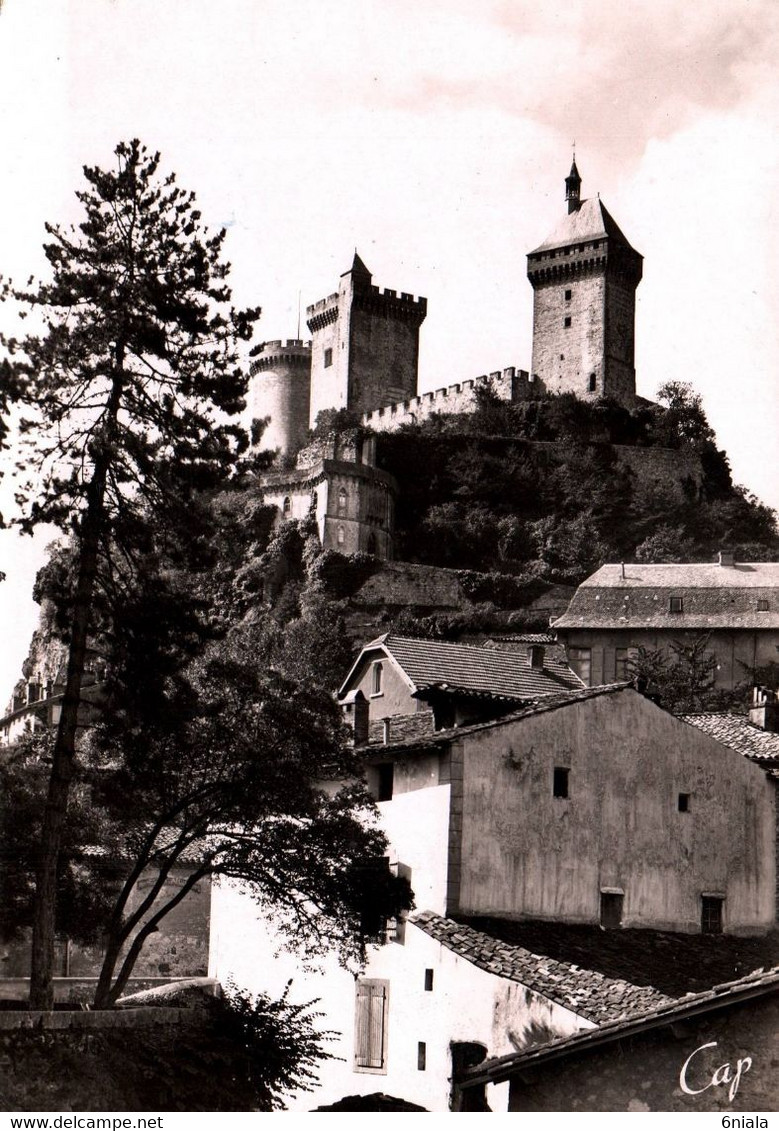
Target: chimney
726	558
535	657
354	706
764	711
385	729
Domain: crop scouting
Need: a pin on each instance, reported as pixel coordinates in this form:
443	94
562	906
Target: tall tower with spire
584	278
365	345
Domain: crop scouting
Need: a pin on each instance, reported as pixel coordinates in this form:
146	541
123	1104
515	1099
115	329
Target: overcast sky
433	136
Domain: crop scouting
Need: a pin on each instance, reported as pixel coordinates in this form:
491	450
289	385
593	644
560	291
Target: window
684	802
421	1056
287	505
328	358
428	980
568	295
567	323
611	909
376	678
560	782
711	914
676	605
593	383
341	498
621	656
340	536
762	606
370	1025
580	660
385	781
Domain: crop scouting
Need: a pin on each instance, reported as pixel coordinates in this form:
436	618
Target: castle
363	357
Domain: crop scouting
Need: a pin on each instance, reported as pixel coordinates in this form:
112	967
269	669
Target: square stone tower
584	278
365	345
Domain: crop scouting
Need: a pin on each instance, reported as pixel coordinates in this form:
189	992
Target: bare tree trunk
64	755
63	759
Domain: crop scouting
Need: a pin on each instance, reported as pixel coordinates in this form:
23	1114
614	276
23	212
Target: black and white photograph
389	559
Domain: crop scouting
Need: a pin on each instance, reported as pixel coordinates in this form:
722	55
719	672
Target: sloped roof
538	706
739	734
759	983
591	221
469	668
587	993
713	596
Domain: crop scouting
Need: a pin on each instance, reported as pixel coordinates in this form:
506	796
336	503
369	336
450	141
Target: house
709	1051
620	608
449	684
570	861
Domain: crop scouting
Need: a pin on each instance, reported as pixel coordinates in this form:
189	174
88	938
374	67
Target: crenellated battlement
509	384
291	352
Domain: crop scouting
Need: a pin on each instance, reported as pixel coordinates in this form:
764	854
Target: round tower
280	388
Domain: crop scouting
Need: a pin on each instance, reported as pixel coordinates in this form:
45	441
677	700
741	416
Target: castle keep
364	355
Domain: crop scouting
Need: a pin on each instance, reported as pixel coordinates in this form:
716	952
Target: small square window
567	323
684	803
560	782
711	914
762	606
428	980
676	605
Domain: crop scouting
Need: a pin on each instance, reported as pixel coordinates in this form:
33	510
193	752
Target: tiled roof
713	596
590	221
757	984
466	667
585	992
670	962
403	728
739	734
538	706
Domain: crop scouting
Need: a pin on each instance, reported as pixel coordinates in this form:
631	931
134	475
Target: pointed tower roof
573	184
359	271
591	221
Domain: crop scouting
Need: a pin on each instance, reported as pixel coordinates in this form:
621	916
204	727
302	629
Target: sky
434	137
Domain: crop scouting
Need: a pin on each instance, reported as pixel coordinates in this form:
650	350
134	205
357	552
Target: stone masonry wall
641	1073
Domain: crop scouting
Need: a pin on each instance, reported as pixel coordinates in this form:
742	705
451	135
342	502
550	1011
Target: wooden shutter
370	1029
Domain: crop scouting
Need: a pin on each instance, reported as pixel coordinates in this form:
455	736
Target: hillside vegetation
479	492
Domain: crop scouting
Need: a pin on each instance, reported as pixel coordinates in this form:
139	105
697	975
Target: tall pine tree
129	374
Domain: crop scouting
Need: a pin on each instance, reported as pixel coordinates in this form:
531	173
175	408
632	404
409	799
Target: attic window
328	358
377	673
676	605
684	803
560	782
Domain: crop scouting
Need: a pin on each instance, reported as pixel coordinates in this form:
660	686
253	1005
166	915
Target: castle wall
620	333
384	352
569	335
509	384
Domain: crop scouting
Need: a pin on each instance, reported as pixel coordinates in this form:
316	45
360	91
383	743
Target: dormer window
676	605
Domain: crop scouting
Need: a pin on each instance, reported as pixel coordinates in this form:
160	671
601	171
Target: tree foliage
128	374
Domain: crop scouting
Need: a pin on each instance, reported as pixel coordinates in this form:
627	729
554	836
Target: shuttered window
370	1025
